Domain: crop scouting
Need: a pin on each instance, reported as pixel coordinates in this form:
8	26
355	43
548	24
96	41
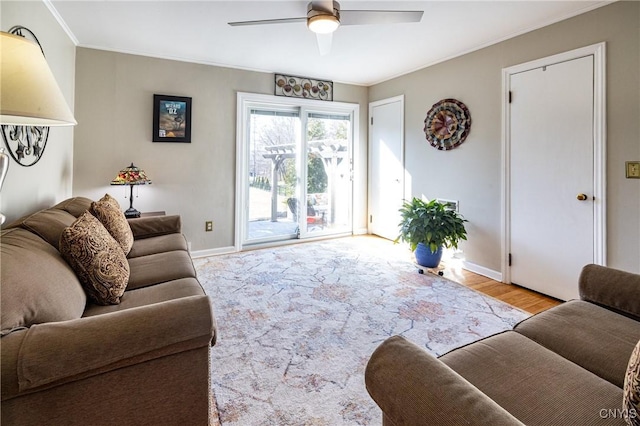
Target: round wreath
447	124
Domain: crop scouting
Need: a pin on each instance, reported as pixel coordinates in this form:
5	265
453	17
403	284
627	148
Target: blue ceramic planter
425	258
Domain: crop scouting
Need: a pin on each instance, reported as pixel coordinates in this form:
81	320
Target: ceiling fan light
323	24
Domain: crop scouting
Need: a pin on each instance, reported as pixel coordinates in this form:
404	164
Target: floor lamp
30	95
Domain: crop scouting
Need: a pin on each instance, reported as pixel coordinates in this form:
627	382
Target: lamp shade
30	95
131	175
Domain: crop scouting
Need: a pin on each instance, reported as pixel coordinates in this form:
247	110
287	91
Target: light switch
633	169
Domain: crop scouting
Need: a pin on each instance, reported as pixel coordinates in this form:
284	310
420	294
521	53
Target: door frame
372	105
599	148
245	100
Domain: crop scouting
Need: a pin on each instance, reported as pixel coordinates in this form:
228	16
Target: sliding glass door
295	171
272	178
328	166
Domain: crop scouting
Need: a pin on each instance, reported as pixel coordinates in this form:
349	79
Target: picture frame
171	119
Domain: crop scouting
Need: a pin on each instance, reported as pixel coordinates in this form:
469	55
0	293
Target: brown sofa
65	360
564	366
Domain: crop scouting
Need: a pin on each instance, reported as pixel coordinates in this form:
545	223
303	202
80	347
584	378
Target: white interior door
552	176
386	166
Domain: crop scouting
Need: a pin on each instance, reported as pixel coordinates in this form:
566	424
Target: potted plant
428	226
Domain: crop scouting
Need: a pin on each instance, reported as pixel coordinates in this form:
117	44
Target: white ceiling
197	31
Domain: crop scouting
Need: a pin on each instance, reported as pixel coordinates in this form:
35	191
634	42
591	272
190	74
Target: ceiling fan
324	17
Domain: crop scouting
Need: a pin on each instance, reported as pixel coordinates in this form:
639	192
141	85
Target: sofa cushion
614	289
159	244
97	259
631	398
74	206
601	341
158	293
49	224
534	384
63	352
159	268
108	212
414	388
37	284
154	226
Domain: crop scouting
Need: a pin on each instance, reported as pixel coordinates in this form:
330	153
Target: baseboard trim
481	270
360	231
213	252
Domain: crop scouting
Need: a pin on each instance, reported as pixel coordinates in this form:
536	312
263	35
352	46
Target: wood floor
520	297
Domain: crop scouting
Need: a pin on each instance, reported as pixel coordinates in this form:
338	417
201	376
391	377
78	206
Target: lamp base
131	213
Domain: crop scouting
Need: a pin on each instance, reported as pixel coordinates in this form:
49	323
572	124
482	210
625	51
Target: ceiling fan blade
268	21
324	43
366	17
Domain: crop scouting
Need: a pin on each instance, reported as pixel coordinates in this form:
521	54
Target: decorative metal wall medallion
447	124
302	87
26	144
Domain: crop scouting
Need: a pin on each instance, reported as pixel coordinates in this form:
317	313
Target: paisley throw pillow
108	212
96	258
631	394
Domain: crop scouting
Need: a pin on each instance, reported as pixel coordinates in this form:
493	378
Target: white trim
481	270
287	101
505	183
241	99
213	252
598	51
600	153
399	98
281	243
405	190
61	22
360	231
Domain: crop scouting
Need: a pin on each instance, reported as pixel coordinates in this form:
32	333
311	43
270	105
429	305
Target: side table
149	214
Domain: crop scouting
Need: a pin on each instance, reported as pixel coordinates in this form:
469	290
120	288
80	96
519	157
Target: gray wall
27	189
114	96
471	172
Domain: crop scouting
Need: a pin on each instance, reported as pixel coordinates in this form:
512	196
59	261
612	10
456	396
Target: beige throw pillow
96	258
631	394
108	212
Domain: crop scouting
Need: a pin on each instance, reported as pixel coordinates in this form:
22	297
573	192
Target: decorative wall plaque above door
447	124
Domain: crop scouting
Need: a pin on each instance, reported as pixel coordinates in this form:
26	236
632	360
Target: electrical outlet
208	226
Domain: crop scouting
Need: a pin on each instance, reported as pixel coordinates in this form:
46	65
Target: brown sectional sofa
564	366
65	360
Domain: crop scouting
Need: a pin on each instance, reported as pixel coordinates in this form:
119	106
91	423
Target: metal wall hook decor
25	144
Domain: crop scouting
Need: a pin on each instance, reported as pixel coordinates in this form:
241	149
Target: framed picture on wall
171	119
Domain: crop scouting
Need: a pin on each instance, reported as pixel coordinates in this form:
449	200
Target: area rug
297	325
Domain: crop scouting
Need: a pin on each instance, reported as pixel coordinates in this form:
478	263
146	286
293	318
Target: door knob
581	197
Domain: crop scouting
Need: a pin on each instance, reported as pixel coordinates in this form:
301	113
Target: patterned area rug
297	325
